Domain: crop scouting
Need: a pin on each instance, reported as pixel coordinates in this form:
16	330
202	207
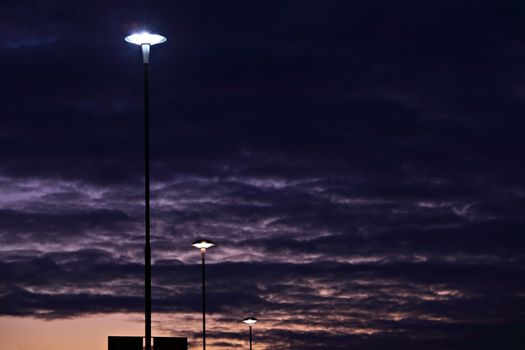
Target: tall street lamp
203	244
250	321
146	40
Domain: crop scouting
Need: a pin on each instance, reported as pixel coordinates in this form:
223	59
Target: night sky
358	163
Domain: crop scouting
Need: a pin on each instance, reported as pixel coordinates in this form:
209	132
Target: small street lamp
203	244
250	321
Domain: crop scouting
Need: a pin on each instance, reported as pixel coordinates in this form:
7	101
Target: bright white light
145	38
250	320
203	244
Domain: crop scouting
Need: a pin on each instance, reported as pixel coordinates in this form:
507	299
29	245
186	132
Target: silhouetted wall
170	343
135	343
124	343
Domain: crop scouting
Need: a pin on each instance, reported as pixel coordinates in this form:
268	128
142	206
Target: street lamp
203	244
146	40
250	321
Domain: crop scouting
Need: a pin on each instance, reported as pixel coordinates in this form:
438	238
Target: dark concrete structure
170	343
136	343
125	343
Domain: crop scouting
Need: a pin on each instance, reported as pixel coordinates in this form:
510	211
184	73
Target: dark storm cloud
472	238
358	164
462	337
333	123
56	225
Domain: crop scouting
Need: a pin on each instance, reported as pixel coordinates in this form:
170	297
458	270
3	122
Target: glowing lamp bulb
145	38
203	244
250	321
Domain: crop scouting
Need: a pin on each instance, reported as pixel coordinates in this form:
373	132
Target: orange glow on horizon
86	333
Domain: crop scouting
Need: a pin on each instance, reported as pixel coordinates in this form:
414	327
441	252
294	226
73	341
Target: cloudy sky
359	164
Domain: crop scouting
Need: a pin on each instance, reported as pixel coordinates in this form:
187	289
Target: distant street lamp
146	40
250	321
203	244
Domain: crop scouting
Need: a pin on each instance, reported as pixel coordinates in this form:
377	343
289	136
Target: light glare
145	38
203	244
250	320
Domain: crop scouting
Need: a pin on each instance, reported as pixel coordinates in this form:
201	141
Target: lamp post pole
147	247
203	254
250	337
250	321
203	244
146	40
